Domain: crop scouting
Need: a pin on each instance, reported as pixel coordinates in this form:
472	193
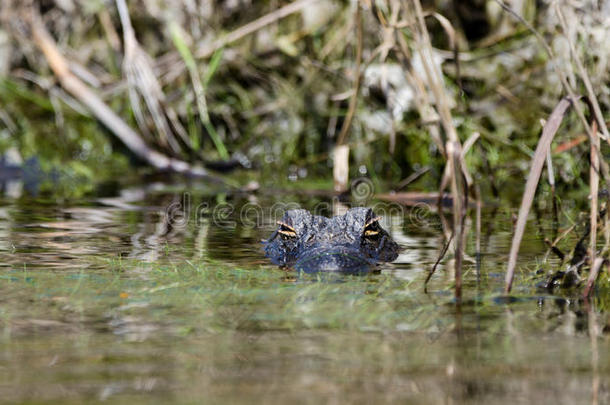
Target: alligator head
349	243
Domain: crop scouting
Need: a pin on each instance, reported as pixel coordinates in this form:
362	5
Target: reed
597	162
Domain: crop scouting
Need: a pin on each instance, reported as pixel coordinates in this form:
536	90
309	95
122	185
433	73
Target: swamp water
157	296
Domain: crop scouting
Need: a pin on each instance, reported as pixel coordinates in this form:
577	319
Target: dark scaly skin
351	243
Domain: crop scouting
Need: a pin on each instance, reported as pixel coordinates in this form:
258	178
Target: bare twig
442	254
553	245
412	177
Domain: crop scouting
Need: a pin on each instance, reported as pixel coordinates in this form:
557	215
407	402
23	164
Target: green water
105	299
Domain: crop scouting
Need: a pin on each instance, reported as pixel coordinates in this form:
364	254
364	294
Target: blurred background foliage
276	97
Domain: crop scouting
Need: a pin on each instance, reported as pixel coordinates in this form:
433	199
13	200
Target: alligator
351	243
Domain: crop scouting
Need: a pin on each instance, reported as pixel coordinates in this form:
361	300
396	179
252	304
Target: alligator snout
334	258
349	243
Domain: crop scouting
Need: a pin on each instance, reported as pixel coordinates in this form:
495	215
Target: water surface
162	294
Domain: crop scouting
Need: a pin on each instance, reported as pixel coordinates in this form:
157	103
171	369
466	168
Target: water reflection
146	224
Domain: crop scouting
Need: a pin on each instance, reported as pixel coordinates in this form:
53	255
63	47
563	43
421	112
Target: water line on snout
333	258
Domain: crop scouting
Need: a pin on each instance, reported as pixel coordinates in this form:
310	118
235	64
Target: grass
215	297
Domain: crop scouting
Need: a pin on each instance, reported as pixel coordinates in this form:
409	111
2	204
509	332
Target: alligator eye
286	230
372	222
371	228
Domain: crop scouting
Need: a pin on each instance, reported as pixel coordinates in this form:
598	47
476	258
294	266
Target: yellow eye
372	221
286	230
371	228
287	233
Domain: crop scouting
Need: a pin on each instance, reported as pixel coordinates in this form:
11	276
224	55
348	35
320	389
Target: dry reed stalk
73	85
548	133
353	102
422	102
453	147
141	80
337	39
341	152
459	192
607	224
597	162
593	191
593	273
445	180
434	81
341	168
453	44
477	194
204	51
551	180
383	49
109	31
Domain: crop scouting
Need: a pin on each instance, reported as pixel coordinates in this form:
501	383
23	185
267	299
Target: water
109	300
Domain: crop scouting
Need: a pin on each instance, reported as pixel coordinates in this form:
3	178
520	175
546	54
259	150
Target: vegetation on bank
277	92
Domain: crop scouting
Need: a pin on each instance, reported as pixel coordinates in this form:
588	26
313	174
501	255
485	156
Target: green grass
216	297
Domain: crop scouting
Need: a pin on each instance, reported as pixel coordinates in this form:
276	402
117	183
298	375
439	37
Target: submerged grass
216	297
